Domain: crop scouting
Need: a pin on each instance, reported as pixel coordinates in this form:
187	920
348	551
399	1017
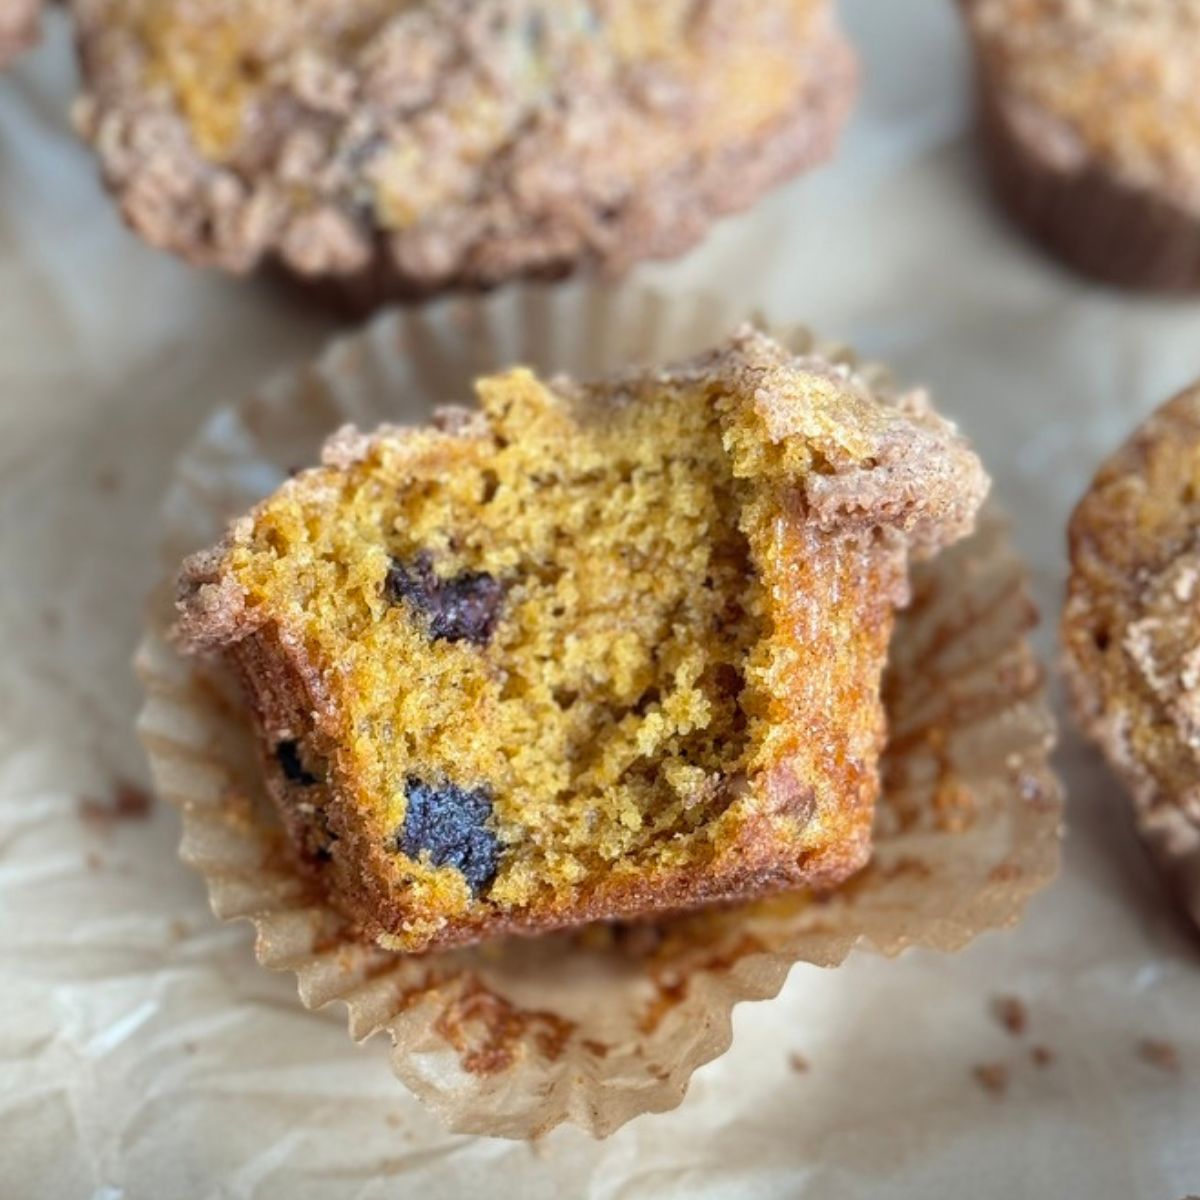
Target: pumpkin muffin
19	27
396	147
1090	113
591	651
1131	630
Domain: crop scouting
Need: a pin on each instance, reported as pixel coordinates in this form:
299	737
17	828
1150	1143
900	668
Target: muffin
19	27
1090	114
384	149
592	651
1131	630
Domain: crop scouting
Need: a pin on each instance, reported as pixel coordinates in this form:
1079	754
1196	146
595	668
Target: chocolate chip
464	608
449	822
287	753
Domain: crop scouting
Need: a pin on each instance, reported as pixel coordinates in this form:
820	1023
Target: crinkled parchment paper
143	1052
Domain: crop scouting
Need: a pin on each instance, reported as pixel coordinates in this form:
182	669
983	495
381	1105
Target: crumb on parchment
1159	1053
127	802
1011	1013
992	1077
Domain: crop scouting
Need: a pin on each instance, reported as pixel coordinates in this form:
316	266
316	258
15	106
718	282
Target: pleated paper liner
598	1027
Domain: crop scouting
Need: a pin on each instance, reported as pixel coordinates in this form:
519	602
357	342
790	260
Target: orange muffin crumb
593	651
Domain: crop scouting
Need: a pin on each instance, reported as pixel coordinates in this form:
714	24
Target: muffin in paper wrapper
600	1025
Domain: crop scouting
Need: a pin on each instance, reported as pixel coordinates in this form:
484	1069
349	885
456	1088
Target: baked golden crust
1131	630
796	496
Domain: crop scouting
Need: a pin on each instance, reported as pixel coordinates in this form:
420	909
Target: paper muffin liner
601	1025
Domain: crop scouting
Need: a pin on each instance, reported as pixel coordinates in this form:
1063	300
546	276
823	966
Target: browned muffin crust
909	486
1131	631
1088	115
19	27
393	148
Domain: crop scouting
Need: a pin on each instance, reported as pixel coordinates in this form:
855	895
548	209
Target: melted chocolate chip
449	822
287	753
464	608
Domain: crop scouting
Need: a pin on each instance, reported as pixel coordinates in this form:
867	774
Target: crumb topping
316	128
1101	82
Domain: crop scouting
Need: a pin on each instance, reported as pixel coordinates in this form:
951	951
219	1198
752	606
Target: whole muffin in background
1131	631
397	147
1090	113
19	27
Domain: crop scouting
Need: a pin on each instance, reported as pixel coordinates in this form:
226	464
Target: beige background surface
142	1054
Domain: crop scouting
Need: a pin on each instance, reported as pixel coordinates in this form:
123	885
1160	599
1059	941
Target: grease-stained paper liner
597	1027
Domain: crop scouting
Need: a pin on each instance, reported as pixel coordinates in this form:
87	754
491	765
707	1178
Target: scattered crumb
393	1119
178	929
190	1047
1041	1056
127	802
992	1077
108	480
93	810
93	861
798	1062
1011	1012
1160	1054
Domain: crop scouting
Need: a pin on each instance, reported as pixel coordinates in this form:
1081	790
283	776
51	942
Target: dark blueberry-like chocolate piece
450	823
464	608
294	771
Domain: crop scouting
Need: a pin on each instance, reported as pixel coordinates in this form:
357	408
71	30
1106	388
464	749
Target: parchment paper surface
144	1054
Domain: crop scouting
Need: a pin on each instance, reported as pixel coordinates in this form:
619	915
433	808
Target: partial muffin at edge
1131	631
